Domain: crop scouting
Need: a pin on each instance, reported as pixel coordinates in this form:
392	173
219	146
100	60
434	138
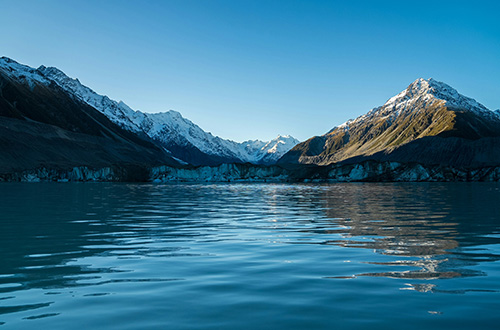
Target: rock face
181	137
372	171
42	126
367	171
76	174
221	173
429	122
122	173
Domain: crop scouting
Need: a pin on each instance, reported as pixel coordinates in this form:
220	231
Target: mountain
53	128
41	125
185	140
428	123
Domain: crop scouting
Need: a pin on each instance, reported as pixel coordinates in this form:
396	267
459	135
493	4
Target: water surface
249	256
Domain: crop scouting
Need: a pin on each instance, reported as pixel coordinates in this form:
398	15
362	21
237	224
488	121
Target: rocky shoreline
368	171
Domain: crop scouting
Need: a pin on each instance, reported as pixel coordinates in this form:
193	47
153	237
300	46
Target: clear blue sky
246	69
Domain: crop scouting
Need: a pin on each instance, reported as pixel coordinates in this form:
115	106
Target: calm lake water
249	256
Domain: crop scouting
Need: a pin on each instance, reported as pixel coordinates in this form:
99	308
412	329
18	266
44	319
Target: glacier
368	171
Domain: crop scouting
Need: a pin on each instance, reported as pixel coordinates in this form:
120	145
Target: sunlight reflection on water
249	255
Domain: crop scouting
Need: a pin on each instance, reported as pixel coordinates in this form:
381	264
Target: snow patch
171	127
425	91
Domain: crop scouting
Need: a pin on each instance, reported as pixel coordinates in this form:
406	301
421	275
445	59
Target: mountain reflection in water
133	246
426	224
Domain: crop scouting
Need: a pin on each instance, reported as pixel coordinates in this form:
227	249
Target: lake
249	256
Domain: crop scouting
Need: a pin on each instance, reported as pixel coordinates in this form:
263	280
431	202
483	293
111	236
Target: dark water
249	256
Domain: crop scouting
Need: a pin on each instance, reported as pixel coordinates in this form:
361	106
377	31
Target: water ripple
249	255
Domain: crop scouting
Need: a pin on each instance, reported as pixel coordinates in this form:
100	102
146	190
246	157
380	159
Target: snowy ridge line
422	90
22	72
171	127
166	127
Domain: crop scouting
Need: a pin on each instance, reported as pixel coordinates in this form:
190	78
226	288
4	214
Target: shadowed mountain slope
183	138
41	125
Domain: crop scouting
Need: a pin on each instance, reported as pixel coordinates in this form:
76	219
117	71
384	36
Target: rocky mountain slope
427	123
185	140
41	125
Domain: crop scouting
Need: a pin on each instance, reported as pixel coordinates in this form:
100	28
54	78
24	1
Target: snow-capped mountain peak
22	72
274	149
424	92
430	90
429	121
169	128
117	112
280	142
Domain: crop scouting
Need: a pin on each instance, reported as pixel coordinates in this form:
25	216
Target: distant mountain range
182	140
185	140
41	125
54	128
428	123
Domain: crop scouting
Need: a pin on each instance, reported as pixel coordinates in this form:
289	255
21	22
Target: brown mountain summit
428	123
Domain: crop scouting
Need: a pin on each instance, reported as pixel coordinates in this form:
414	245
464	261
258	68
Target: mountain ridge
51	122
43	126
184	139
426	108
